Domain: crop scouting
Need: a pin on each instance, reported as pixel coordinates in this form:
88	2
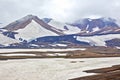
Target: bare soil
94	52
110	73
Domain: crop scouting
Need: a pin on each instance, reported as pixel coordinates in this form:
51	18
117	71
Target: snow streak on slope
22	54
96	29
67	29
6	40
98	40
32	31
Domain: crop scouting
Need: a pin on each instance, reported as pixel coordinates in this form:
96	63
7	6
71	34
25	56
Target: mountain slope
31	27
113	42
66	29
97	26
98	40
6	40
32	31
23	22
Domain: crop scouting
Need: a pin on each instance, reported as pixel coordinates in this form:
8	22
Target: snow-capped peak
32	31
26	18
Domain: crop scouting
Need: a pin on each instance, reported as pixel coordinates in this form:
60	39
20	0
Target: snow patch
98	40
62	45
107	31
34	45
94	16
52	69
6	41
96	29
87	27
40	50
57	54
17	55
70	29
117	47
32	31
56	24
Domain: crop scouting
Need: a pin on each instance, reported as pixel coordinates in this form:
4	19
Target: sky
60	10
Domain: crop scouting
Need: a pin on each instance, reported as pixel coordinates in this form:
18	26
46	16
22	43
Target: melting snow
58	25
57	54
40	50
87	27
117	47
51	69
32	31
98	40
6	40
96	29
17	55
62	45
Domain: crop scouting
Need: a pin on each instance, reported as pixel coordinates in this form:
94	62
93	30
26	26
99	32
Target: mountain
31	27
33	32
95	32
97	26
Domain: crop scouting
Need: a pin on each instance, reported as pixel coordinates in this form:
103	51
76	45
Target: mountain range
33	32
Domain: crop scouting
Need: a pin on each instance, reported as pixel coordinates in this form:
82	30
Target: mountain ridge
31	30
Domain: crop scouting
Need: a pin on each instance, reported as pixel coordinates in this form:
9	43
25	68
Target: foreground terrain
110	73
83	52
58	64
52	69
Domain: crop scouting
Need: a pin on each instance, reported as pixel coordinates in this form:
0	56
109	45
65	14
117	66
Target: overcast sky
60	10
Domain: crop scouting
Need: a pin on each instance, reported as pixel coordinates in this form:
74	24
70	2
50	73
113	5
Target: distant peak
47	20
29	16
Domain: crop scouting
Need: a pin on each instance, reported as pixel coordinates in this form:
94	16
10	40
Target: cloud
61	10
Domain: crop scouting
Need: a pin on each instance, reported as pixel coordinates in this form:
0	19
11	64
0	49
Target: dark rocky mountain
97	26
88	24
113	42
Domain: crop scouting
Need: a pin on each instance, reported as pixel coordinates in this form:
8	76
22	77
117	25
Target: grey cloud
15	9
